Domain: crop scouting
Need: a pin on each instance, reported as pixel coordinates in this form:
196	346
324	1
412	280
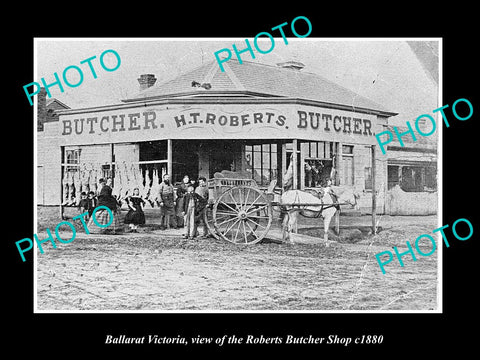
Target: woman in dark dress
135	215
102	216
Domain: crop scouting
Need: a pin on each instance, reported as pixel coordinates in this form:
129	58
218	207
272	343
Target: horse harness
322	205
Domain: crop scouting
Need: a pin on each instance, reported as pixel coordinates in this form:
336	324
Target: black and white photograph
207	175
218	180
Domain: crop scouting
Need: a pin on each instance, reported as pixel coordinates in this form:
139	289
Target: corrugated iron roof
261	80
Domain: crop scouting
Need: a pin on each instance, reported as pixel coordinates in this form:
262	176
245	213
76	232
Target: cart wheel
242	215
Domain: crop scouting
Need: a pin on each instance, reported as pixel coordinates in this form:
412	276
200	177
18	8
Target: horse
327	207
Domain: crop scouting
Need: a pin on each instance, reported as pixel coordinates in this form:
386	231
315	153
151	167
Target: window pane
313	149
257	148
248	160
274	161
327	149
273	174
347	149
266	147
431	178
274	148
321	149
257	159
266	160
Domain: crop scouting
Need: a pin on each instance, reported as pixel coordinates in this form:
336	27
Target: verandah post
169	159
294	163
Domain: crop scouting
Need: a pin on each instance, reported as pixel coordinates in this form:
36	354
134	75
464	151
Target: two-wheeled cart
240	212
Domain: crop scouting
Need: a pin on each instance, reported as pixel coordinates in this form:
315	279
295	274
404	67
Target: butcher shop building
253	119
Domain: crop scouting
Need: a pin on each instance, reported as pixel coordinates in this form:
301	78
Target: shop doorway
223	155
185	160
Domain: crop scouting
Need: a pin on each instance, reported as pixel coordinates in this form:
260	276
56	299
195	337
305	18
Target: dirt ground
157	270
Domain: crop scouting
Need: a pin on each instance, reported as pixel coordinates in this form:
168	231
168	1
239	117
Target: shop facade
178	128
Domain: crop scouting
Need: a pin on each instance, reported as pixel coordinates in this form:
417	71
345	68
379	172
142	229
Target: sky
394	73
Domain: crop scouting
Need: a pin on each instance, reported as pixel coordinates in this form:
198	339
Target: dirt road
157	271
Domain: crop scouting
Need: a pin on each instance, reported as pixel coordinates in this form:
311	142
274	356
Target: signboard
218	121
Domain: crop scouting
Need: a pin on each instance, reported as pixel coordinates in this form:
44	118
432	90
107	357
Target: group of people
90	201
184	208
315	173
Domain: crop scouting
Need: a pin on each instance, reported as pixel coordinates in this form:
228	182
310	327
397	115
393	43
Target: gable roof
258	80
55	104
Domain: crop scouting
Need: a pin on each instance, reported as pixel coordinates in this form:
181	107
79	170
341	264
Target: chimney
146	81
292	65
41	108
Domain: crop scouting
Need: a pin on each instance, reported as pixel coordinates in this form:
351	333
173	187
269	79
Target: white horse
317	205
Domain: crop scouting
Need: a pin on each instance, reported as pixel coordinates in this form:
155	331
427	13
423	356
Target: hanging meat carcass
136	179
71	188
78	185
116	189
92	178
130	178
139	179
99	173
146	188
124	174
84	174
154	190
66	187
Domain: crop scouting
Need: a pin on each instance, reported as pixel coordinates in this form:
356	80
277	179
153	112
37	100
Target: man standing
181	192
167	204
202	190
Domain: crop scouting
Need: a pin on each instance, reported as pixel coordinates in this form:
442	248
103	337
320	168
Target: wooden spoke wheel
242	215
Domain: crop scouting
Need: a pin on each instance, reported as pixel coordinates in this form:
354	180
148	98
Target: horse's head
351	197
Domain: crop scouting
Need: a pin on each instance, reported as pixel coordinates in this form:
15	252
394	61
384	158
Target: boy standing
202	190
91	203
83	204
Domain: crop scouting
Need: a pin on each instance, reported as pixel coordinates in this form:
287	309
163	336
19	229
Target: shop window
152	156
108	172
72	158
318	162
412	178
261	161
347	149
418	178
